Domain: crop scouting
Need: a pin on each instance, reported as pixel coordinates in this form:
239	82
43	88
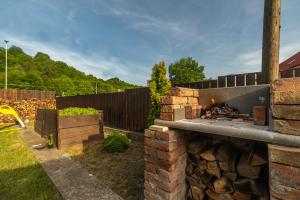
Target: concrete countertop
244	130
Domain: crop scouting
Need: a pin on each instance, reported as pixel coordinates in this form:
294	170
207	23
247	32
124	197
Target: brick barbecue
190	158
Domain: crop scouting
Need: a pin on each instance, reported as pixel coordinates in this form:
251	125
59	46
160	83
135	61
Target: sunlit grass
21	177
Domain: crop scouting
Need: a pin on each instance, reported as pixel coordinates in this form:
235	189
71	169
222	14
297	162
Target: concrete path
71	180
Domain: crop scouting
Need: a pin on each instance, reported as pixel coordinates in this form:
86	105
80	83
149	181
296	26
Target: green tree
159	86
186	70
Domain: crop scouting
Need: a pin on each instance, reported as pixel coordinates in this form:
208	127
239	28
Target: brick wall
165	162
284	162
180	98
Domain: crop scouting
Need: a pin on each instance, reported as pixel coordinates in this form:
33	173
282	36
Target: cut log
223	185
215	172
229	165
210	154
196	193
241	196
206	178
246	170
212	165
248	186
195	181
225	152
230	175
215	196
202	164
198	145
258	156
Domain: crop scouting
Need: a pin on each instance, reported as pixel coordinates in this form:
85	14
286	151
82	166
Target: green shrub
116	142
74	111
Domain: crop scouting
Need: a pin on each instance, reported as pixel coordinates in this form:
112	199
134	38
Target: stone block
285	97
192	100
284	155
290	127
158	128
286	112
173	100
286	85
182	92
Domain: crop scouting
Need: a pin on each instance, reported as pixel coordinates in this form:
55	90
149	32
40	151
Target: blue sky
125	38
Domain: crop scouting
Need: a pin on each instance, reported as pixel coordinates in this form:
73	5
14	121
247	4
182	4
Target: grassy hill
42	73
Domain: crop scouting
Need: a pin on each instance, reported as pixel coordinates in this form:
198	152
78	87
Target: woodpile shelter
225	156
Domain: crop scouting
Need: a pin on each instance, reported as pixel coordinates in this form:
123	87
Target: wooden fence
126	110
17	95
46	122
236	80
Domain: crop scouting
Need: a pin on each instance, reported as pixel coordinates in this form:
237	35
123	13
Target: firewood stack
221	110
222	170
25	108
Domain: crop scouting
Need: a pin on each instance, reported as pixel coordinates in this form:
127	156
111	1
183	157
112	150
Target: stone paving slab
72	181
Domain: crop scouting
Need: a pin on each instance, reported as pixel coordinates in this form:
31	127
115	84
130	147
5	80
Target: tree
159	86
186	70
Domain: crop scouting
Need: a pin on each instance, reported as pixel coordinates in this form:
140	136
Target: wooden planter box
74	130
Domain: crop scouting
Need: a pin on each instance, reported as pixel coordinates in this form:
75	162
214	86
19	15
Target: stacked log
180	98
223	170
25	108
286	106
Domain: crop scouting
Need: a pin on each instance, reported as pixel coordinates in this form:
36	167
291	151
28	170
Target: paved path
71	180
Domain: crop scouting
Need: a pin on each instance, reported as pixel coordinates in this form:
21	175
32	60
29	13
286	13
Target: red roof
290	63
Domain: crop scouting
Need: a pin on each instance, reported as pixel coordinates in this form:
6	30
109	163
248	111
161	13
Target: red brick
167	116
192	112
150	187
150	167
284	175
281	192
149	133
172	155
161	145
171	135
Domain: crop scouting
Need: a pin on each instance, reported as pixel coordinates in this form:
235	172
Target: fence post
294	73
245	79
226	81
255	79
234	80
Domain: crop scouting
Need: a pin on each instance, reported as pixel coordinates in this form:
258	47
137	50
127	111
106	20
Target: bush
116	142
74	111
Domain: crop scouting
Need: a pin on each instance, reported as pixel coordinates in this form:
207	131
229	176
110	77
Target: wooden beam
271	41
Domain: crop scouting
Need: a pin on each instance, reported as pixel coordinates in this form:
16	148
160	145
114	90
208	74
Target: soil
122	172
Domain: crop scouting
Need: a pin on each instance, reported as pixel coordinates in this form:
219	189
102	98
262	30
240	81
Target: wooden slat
77	121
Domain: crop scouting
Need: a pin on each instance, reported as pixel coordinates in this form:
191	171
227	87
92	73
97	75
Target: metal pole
5	63
96	88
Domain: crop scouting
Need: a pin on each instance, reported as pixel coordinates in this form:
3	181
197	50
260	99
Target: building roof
290	63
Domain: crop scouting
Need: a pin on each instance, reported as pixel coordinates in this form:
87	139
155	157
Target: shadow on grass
29	182
122	172
6	126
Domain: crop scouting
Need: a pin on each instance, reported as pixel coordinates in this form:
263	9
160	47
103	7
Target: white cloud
251	61
91	64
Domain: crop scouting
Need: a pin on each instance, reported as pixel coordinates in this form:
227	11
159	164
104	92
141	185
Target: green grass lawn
21	177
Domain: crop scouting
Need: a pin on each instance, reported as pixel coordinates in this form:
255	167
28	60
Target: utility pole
6	42
271	41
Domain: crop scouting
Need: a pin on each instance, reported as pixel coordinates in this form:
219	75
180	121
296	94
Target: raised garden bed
71	126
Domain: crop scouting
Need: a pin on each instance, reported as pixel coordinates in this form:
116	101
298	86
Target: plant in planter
75	111
116	142
50	141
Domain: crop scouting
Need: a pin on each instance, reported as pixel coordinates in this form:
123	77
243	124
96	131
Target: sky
125	38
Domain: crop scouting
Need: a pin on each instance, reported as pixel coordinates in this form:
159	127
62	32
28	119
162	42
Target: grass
21	177
122	172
